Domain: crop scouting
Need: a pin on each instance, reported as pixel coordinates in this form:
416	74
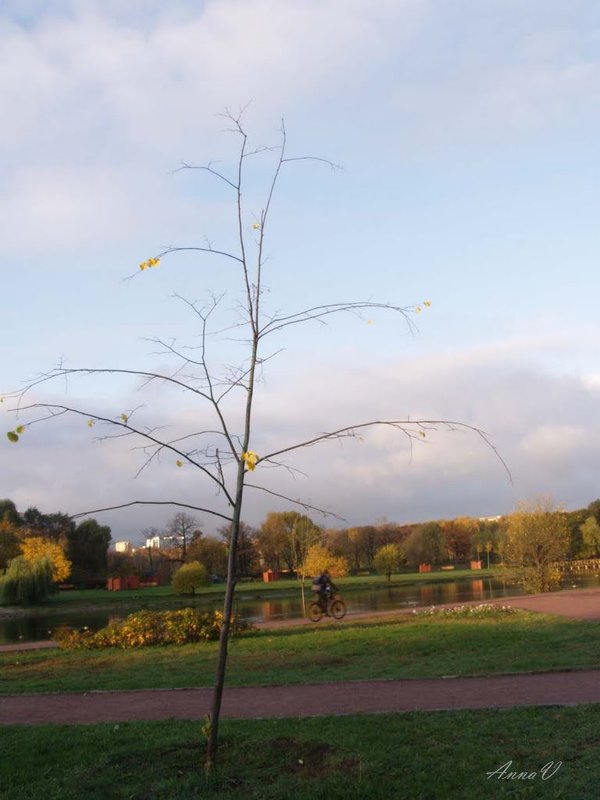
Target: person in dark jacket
326	588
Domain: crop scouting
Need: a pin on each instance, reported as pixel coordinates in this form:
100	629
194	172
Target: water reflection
258	608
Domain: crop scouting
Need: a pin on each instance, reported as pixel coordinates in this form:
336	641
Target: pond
256	608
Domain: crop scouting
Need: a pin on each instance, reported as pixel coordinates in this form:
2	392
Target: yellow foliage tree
535	539
320	558
36	548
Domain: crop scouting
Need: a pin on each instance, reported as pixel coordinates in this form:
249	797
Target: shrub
190	577
145	628
26	581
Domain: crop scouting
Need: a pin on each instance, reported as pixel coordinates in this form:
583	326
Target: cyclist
326	588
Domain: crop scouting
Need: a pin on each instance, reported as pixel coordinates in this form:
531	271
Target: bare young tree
223	454
180	530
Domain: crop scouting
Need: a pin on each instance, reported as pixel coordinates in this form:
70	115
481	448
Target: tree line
39	551
283	540
287	542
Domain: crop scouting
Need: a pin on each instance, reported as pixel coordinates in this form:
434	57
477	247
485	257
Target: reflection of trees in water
426	593
449	592
271	610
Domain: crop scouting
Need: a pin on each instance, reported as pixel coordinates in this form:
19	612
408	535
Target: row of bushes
145	628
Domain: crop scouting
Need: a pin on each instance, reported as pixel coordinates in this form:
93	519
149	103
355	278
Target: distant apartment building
163	542
123	547
155	541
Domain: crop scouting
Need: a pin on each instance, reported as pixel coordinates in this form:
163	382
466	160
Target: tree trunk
215	713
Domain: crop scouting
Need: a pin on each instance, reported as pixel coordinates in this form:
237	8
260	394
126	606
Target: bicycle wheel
315	612
337	608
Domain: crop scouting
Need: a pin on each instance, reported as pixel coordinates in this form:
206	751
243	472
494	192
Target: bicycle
336	608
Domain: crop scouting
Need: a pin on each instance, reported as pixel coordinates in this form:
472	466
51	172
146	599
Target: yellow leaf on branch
250	459
150	262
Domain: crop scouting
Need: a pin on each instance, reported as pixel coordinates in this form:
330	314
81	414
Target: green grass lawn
414	646
416	756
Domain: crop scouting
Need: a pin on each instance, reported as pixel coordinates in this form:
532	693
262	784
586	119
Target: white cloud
110	95
450	473
103	93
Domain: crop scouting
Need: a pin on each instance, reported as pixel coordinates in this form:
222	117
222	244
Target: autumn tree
590	532
223	452
35	548
210	551
536	537
319	558
459	534
575	519
426	544
363	543
273	543
246	554
593	510
388	560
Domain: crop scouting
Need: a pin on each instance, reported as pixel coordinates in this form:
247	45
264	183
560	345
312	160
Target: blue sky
468	135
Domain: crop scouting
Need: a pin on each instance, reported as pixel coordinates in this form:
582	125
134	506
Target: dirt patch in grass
305	759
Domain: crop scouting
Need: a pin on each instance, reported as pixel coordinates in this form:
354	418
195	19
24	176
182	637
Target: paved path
435	694
572	603
503	691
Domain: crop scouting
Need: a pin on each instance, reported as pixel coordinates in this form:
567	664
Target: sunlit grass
415	646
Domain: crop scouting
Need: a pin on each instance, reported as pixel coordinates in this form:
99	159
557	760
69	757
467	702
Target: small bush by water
146	628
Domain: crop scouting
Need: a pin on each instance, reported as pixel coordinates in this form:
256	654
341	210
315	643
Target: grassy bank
413	646
434	756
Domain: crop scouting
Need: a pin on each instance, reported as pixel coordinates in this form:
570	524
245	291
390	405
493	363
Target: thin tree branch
263	221
207	168
334	167
50	407
151	503
404	426
318	312
64	371
301	503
